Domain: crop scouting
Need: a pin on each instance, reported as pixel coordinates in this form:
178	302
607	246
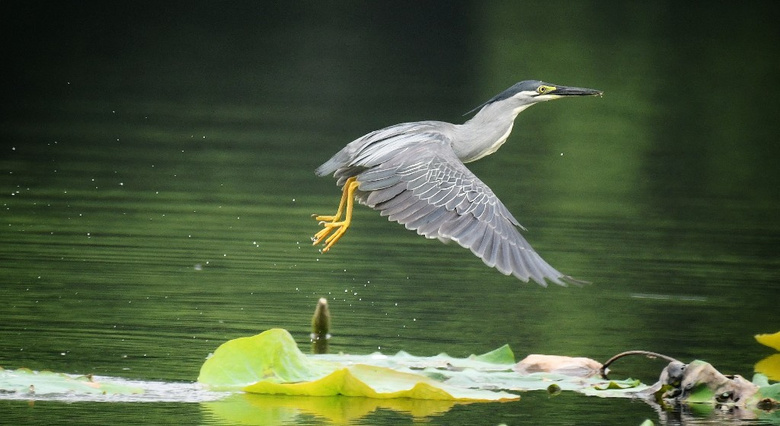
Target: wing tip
564	281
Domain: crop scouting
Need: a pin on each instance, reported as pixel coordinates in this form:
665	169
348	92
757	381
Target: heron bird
414	174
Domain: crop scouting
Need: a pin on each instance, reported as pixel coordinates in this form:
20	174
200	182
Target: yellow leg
334	223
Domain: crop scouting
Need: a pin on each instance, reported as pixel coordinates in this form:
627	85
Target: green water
156	184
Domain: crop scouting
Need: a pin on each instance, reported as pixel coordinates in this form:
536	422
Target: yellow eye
544	89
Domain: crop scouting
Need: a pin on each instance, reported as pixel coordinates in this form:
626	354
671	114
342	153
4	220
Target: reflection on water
680	297
273	409
144	142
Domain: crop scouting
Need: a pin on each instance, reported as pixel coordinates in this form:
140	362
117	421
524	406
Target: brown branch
603	370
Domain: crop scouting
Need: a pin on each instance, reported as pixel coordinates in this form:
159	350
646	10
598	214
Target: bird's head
526	93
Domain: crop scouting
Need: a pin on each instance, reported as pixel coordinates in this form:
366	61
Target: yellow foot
338	229
324	218
334	223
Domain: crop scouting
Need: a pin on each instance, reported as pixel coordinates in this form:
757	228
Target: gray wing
424	186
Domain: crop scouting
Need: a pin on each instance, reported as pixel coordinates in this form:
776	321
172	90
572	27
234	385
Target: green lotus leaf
271	363
46	383
377	382
622	384
502	355
271	356
767	390
701	394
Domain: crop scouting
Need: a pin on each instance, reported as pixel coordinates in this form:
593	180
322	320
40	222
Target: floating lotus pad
26	383
271	363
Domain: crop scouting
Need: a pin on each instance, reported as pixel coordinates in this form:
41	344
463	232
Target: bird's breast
487	147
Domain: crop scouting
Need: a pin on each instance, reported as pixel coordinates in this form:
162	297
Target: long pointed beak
575	91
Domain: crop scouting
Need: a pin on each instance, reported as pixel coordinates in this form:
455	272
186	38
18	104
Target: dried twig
648	354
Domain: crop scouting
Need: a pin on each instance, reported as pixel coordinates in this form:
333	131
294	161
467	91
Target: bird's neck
485	132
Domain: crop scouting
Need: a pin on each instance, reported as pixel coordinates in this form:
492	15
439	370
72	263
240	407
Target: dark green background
139	139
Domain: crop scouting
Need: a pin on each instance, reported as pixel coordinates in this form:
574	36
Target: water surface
157	186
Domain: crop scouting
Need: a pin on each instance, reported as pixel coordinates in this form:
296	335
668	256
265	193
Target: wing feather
411	175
